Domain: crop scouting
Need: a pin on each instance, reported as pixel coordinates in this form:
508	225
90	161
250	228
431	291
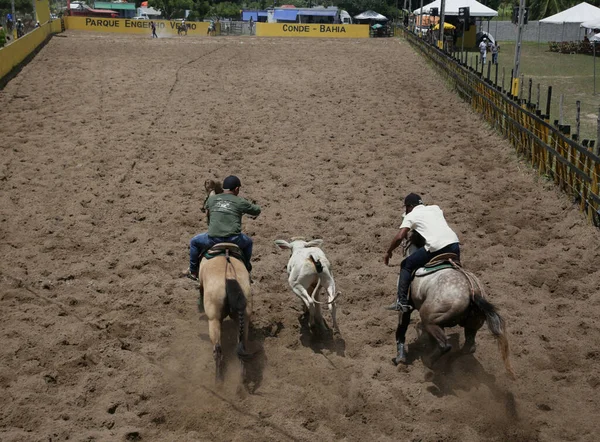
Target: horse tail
237	303
496	325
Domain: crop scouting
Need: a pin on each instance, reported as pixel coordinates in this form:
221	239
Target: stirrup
398	307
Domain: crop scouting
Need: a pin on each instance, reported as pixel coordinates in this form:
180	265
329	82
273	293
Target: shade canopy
476	9
285	14
370	15
577	14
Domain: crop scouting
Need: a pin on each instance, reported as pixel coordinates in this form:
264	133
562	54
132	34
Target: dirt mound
107	143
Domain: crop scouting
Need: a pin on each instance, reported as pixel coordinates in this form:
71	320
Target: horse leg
214	330
472	325
403	324
438	334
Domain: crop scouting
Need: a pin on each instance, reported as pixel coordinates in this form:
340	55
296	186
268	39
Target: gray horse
446	298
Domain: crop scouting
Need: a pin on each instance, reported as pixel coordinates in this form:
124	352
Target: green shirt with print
226	211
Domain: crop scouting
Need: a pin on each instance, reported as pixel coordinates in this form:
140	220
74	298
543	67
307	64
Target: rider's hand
386	258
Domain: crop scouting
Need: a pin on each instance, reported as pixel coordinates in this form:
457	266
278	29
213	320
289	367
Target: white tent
476	9
595	38
591	24
577	14
370	15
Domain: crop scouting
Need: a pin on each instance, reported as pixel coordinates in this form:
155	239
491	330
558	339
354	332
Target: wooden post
548	102
489	70
537	105
578	120
529	92
476	63
503	75
496	77
521	83
512	71
560	109
597	148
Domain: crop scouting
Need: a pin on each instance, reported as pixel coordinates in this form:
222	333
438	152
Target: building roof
476	9
577	14
115	6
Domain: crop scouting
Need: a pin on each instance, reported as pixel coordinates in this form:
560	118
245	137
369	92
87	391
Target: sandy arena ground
105	149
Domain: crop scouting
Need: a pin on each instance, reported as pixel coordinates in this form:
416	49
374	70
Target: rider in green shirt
225	212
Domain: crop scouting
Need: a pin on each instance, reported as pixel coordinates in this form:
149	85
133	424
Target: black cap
231	182
412	200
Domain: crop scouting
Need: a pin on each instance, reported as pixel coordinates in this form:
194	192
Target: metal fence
574	167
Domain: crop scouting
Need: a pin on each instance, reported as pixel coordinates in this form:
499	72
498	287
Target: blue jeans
416	260
202	242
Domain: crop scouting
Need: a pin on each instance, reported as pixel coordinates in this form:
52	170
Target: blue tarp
285	14
254	14
319	13
247	14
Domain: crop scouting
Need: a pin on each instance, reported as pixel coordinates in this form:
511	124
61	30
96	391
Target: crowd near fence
15	53
573	164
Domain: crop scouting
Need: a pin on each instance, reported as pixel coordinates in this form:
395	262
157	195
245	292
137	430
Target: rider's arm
252	209
395	243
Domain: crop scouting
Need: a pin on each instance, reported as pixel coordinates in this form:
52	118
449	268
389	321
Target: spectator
251	24
153	26
2	37
495	50
483	51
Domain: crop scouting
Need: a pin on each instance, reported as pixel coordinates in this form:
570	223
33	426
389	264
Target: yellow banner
42	9
128	26
311	30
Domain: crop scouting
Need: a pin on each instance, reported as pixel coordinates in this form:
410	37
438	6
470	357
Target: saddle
222	249
437	263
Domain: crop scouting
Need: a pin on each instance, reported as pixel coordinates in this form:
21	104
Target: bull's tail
496	325
237	303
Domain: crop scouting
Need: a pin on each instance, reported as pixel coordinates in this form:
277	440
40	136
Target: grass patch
570	75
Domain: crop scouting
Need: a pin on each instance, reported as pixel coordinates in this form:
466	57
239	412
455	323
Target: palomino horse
446	298
225	283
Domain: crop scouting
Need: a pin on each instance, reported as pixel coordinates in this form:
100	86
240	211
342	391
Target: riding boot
401	357
401	304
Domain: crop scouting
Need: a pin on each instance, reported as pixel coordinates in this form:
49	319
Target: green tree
21	7
225	10
171	8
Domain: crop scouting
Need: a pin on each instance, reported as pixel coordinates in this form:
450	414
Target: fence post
521	83
538	97
503	75
560	109
597	148
489	70
512	72
476	63
548	102
496	77
578	120
529	93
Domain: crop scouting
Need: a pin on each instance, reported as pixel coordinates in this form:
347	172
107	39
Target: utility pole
421	21
515	86
14	19
442	17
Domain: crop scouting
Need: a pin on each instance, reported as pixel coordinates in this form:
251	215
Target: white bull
308	270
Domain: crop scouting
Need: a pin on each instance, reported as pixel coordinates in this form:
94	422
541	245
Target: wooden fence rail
573	167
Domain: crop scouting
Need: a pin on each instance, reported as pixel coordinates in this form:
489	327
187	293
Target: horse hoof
469	349
446	349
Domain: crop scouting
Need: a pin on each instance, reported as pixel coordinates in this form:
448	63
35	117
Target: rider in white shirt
430	223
